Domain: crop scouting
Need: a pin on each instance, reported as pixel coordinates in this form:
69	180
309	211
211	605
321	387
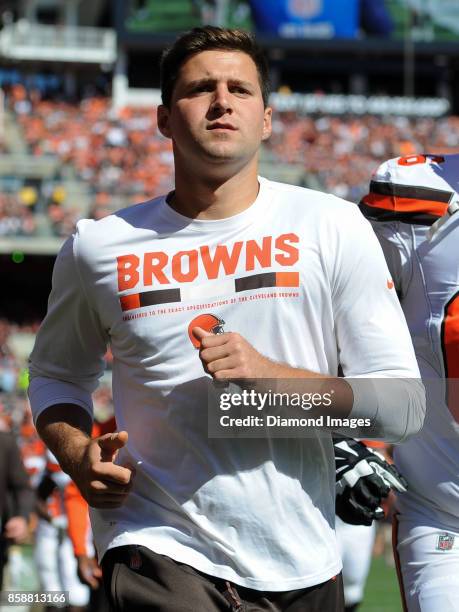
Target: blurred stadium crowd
122	157
343	152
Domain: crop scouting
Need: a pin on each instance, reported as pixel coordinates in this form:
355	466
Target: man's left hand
363	479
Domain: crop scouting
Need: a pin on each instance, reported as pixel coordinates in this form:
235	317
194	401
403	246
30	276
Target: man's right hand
16	529
88	461
102	483
89	571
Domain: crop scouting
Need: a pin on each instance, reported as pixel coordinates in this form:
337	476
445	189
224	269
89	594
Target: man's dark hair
208	38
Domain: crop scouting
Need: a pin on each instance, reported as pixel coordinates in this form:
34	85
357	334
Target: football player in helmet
413	205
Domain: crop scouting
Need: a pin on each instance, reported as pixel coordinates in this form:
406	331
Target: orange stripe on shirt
287	279
129	302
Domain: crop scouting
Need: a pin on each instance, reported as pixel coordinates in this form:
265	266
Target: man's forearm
65	429
229	356
89	462
395	406
289	379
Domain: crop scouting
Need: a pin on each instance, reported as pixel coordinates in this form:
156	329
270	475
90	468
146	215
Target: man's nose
221	100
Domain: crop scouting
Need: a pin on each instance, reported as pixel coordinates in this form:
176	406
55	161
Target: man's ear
267	126
163	121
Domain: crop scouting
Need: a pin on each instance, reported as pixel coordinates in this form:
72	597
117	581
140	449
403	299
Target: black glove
363	479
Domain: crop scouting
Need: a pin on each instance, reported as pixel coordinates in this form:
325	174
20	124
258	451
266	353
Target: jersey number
450	348
413	160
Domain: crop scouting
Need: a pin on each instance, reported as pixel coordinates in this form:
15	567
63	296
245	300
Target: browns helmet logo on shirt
207	321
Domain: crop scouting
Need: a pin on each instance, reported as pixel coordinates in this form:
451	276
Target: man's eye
239	90
202	88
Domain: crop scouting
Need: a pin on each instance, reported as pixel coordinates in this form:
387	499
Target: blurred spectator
8	362
55	562
16	497
12	357
32	448
28	196
16	217
101	206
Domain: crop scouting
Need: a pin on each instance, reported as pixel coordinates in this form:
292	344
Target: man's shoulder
137	212
115	228
97	241
132	215
306	201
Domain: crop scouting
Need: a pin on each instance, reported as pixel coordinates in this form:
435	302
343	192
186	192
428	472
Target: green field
381	592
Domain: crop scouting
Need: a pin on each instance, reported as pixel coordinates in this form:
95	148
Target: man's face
216	114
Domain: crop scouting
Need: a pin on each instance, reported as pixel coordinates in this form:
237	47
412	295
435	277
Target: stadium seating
121	158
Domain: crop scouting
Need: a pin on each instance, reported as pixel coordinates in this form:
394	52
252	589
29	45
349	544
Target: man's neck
211	198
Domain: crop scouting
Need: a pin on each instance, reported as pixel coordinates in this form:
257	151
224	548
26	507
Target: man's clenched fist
230	356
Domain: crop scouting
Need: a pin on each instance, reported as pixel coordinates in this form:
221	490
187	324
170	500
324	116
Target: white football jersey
408	197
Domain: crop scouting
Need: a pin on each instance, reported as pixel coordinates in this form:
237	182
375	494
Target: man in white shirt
181	520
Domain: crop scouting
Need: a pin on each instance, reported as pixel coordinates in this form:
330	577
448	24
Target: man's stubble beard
226	149
217	151
220	151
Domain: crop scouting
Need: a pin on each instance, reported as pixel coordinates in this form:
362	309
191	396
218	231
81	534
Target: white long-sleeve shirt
301	276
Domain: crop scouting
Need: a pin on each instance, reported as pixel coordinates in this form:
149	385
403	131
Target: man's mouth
221	126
